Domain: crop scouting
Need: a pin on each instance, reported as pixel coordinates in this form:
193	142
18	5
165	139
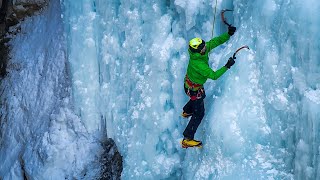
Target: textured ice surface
127	60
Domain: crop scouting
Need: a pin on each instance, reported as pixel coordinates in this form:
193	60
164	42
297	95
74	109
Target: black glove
231	30
230	63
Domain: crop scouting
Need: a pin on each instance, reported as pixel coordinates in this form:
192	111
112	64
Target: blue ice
127	60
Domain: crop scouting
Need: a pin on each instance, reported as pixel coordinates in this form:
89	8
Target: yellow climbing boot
185	115
190	143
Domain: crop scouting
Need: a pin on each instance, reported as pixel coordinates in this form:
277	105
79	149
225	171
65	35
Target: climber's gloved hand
231	30
230	63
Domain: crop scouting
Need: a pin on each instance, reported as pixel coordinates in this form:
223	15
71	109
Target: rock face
111	161
11	13
19	9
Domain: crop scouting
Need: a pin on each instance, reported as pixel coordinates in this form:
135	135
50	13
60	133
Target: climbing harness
191	84
234	54
194	95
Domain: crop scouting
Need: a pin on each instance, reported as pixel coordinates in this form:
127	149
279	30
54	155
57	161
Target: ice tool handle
224	20
235	53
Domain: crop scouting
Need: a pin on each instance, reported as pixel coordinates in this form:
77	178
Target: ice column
80	20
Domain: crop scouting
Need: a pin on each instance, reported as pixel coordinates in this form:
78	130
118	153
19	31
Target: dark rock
11	13
111	161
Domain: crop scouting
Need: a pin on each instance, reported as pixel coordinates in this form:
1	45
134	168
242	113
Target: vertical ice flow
82	30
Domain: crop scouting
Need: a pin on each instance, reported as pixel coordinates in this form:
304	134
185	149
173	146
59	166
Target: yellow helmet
196	44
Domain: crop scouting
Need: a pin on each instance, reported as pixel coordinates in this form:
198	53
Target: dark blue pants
196	107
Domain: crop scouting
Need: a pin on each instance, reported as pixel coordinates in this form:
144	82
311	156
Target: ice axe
222	17
224	20
234	54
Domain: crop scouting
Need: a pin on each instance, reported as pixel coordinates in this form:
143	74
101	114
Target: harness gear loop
200	93
188	92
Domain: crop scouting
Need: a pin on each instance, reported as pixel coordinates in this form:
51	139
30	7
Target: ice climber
198	72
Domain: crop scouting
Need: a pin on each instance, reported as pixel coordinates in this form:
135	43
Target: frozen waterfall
117	67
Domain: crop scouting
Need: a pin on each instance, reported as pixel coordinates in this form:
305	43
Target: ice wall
136	77
82	37
127	61
286	54
41	136
261	115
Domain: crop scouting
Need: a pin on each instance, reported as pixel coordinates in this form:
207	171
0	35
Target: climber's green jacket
198	68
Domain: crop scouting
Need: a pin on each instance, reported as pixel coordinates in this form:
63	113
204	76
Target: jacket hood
197	56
